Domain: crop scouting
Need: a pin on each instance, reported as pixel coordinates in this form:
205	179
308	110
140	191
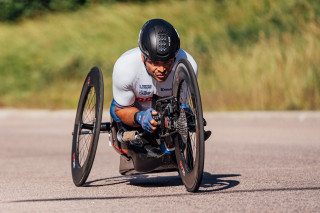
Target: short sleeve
122	82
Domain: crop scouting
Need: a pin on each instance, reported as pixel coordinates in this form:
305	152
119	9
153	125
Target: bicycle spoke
193	135
88	117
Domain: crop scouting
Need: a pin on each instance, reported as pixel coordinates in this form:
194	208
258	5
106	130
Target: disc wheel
189	141
87	126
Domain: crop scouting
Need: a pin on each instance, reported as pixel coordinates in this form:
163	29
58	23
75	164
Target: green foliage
251	55
13	10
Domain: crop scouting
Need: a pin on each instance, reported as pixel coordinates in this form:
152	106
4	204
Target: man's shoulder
132	55
128	66
131	58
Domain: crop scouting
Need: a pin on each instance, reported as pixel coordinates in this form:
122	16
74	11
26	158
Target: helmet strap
144	60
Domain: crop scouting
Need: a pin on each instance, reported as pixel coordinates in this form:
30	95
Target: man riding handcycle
156	114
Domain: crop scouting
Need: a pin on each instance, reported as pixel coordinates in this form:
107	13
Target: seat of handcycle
139	159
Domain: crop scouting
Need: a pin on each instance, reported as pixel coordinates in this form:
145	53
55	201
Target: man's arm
126	115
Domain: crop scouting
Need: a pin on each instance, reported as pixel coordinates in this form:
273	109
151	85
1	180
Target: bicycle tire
189	141
87	126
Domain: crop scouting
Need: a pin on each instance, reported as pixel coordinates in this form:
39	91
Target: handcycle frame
140	151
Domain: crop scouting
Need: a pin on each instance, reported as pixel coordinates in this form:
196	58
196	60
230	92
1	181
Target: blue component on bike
112	113
185	106
165	149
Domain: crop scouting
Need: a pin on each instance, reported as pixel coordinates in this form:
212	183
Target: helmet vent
162	43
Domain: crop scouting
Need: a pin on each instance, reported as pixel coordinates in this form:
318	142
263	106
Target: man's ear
144	59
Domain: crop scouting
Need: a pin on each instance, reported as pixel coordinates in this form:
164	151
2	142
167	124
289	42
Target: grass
252	55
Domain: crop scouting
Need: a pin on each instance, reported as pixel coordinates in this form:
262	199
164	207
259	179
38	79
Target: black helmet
158	40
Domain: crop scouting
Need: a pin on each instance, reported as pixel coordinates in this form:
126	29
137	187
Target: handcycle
177	145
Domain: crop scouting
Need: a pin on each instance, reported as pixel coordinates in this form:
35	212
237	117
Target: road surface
255	162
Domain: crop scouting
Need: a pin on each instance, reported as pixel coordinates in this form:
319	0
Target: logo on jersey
144	92
148	86
144	99
166	89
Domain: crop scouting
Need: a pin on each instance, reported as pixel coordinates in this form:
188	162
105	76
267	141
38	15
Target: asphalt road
255	162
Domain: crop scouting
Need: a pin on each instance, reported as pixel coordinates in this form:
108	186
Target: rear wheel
87	126
189	141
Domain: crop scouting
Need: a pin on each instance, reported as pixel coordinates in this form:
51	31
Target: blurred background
252	55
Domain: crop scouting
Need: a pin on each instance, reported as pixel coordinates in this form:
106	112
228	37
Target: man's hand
145	119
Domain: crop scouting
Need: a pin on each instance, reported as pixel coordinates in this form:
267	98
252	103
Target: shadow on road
217	184
210	182
165	195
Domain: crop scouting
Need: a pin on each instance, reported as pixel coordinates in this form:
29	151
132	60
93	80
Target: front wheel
189	141
87	126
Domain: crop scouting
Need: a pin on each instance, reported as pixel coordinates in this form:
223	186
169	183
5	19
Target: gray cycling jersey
133	85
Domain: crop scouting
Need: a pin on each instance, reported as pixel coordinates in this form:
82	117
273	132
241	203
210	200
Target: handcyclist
145	71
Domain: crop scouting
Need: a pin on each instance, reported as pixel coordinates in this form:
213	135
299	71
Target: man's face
160	70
